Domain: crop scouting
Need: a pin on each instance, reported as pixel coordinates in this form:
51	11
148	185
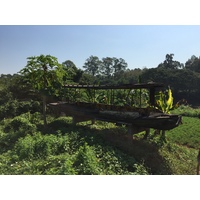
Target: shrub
16	128
9	109
86	162
13	108
187	111
60	122
67	168
41	146
34	118
20	124
29	106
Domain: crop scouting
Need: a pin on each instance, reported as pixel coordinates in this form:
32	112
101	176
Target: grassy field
186	134
102	148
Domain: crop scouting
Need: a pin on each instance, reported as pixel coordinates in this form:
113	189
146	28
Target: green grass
182	160
101	148
187	134
62	148
187	111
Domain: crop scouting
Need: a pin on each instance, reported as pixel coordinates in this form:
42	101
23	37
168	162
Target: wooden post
152	96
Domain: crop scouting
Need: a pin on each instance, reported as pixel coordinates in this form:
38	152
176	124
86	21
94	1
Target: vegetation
45	74
165	102
27	147
102	148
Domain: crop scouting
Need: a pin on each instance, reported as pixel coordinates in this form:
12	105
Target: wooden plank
125	86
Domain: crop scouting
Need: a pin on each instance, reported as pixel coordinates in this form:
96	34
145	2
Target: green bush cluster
60	123
187	134
63	148
26	150
16	128
13	108
86	162
41	146
187	111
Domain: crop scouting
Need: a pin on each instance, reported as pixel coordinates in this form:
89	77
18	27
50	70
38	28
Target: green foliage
86	162
165	101
45	75
60	122
20	124
182	160
58	164
92	65
13	108
16	128
9	109
82	151
187	134
41	146
169	63
88	150
193	64
187	111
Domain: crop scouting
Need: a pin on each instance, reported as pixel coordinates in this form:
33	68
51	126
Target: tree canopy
45	74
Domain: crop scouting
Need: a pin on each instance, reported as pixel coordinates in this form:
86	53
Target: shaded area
142	151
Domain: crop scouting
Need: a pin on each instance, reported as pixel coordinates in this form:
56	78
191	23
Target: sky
139	45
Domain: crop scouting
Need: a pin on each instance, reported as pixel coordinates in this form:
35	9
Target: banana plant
165	101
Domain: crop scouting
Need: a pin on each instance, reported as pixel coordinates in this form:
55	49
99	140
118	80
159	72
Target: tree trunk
44	109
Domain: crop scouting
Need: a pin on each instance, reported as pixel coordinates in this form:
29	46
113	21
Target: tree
92	65
72	70
107	66
119	65
45	74
169	63
193	64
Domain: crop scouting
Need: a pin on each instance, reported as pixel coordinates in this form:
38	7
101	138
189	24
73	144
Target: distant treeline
183	79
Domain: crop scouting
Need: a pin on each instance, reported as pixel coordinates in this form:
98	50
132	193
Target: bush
187	111
9	109
34	118
60	122
16	128
41	146
13	108
28	106
86	162
20	124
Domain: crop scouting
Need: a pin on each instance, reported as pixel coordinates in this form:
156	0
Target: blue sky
139	45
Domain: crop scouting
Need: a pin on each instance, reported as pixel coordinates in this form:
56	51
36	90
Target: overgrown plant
165	101
45	75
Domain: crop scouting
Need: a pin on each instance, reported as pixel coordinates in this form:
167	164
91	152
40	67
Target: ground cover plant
64	151
101	148
187	134
187	111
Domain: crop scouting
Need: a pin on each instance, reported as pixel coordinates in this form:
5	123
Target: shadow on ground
143	151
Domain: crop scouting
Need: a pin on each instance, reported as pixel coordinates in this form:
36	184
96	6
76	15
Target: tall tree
193	64
72	70
45	74
169	63
107	66
92	65
119	65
